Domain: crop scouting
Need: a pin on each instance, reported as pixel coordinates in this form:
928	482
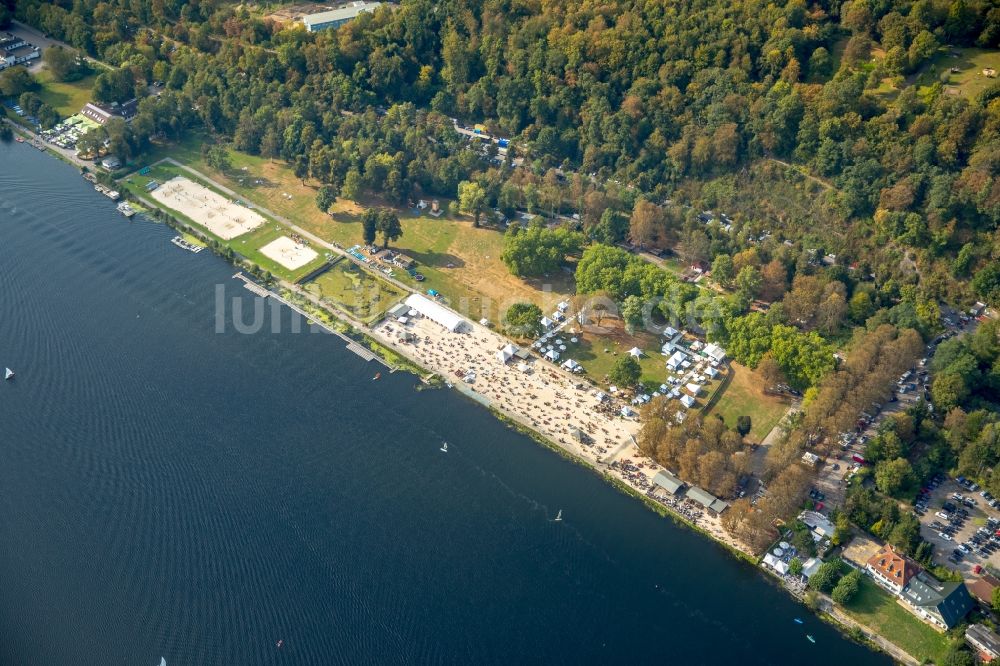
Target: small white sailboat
444	447
163	661
558	518
8	374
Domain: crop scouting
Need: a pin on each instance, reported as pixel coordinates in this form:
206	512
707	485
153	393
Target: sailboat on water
444	446
8	374
558	518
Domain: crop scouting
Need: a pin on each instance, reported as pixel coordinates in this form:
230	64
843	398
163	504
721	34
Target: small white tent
506	353
635	352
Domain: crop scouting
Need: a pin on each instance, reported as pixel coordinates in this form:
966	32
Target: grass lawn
356	290
248	244
745	396
599	348
967	82
66	98
458	260
874	607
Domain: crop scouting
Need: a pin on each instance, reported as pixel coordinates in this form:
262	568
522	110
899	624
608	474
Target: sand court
288	253
219	215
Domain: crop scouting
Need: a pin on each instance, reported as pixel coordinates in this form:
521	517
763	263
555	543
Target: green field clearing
248	244
458	260
744	396
356	290
598	352
970	63
967	82
876	609
65	97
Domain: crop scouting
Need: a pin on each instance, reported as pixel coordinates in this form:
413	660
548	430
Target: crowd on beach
541	396
545	398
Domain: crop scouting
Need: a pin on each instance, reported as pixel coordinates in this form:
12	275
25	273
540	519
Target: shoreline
380	347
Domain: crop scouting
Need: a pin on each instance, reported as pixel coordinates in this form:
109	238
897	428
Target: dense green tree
471	200
325	198
743	425
369	225
892	476
538	250
722	269
626	371
826	577
15	81
524	320
847	588
62	63
389	226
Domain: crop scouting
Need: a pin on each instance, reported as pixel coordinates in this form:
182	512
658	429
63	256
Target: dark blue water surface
167	490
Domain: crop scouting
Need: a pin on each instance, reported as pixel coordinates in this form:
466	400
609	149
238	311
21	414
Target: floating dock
190	247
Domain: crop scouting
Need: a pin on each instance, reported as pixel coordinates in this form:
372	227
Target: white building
715	352
337	17
436	312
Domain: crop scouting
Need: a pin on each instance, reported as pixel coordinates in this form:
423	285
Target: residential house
983	588
891	570
943	604
984	641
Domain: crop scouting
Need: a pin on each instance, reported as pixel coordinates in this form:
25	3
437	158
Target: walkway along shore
617	467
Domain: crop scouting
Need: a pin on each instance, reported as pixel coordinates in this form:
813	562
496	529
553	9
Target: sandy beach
553	402
222	217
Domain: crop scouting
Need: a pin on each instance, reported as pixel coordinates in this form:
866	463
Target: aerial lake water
170	490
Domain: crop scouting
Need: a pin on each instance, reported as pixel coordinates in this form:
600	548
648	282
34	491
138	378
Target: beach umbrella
562	347
573	340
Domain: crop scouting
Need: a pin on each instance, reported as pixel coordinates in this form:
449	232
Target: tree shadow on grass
436	259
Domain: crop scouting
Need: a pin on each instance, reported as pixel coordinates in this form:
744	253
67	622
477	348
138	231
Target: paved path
893	650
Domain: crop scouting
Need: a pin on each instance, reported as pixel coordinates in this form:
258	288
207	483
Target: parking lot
958	517
838	467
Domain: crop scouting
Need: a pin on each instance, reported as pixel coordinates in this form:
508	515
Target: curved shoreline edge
397	360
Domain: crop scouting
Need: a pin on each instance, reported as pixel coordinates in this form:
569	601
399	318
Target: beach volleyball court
288	253
219	215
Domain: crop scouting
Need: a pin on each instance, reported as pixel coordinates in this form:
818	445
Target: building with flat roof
436	312
335	18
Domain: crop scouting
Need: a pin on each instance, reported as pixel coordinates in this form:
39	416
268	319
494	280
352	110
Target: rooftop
951	600
668	482
983	636
897	568
339	15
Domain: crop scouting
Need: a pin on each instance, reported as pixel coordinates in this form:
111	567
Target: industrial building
335	18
